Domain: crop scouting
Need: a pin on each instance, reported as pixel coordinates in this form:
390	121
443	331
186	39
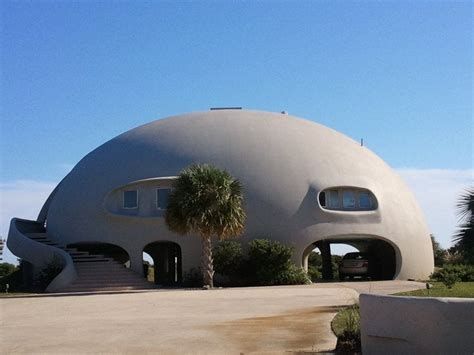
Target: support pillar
325	248
136	262
161	260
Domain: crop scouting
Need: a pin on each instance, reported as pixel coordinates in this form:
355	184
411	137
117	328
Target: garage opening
346	259
106	249
162	263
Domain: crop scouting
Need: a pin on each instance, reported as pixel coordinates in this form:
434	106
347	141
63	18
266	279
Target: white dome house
305	185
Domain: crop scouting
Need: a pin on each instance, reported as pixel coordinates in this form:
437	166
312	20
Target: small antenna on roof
362	142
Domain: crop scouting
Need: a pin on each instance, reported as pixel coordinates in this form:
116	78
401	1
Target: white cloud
437	191
23	199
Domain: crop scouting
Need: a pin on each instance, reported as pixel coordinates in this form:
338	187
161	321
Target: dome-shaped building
305	185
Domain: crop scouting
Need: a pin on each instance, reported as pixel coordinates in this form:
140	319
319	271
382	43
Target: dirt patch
304	329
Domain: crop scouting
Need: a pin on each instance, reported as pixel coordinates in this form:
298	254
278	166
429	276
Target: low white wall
39	254
416	325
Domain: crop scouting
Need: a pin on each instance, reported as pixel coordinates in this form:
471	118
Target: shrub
14	281
229	260
461	272
266	263
315	265
48	273
449	279
268	260
293	275
7	269
346	326
314	273
270	263
193	278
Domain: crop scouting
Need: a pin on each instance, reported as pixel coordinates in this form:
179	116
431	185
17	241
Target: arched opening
351	257
148	267
166	261
106	249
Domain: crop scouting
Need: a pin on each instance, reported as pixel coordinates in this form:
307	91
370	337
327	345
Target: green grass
460	289
347	319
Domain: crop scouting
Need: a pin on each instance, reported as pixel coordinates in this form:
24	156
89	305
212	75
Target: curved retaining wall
39	254
416	325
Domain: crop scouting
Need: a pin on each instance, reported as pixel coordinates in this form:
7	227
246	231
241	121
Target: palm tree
464	237
209	202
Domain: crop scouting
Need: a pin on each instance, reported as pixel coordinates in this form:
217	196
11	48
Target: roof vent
225	108
284	112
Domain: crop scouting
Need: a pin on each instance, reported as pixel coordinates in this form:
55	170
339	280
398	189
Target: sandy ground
220	321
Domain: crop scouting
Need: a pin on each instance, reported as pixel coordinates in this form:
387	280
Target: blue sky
398	74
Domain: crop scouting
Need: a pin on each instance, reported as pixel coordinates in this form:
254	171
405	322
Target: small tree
440	255
464	237
7	269
207	201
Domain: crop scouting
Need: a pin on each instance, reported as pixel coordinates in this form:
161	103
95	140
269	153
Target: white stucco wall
416	325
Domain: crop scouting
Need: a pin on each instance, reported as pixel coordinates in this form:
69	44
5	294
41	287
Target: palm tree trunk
207	264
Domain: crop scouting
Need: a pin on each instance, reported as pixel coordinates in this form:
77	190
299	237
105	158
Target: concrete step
111	288
110	265
110	273
127	282
36	235
77	253
42	240
86	259
104	269
95	283
94	256
108	276
103	275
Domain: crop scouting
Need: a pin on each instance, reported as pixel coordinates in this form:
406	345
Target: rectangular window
333	198
348	199
162	198
322	199
364	200
130	199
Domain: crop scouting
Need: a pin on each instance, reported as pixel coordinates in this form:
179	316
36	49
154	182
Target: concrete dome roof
282	161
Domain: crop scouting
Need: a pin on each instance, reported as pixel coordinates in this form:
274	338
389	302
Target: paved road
240	320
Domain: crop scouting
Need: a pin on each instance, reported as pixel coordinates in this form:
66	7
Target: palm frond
465	205
207	201
464	236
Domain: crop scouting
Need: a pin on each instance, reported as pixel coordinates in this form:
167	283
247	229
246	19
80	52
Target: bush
48	273
314	273
229	260
267	263
193	278
449	279
7	269
14	281
460	272
293	275
269	260
346	326
315	265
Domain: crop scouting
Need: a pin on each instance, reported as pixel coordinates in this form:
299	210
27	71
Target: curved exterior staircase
82	271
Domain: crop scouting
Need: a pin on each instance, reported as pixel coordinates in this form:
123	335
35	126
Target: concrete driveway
239	320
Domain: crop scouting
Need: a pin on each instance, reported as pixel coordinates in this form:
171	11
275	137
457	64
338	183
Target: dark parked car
354	264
